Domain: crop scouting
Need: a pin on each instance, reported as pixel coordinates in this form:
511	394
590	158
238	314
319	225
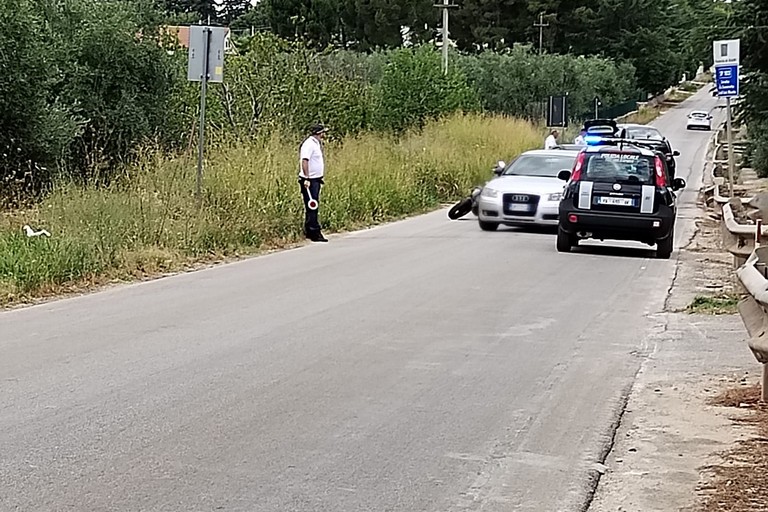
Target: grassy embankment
148	224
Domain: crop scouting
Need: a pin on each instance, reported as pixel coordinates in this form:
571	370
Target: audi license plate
616	201
519	207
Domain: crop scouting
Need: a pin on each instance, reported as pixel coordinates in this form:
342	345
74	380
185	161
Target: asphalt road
420	366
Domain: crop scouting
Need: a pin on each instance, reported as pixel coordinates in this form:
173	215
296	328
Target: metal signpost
726	62
205	65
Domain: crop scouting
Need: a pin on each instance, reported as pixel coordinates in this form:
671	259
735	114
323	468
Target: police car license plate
616	201
519	207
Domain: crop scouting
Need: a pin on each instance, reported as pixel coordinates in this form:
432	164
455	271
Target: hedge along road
419	366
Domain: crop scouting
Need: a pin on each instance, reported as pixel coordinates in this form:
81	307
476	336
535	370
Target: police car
619	189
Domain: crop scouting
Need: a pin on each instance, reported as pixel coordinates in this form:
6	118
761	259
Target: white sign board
211	41
726	52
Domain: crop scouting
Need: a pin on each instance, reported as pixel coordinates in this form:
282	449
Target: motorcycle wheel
460	209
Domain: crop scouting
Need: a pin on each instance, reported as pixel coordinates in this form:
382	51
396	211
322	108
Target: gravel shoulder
672	436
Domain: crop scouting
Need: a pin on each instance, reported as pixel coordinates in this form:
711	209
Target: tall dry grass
147	222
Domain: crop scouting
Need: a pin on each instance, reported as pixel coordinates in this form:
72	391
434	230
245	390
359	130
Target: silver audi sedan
527	191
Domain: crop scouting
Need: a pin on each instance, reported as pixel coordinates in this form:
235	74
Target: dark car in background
651	135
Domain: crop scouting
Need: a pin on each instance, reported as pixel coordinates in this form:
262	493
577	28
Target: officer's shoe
319	238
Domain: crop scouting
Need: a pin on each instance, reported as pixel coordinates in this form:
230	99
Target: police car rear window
619	168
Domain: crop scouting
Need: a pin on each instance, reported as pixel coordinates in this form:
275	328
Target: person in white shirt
580	138
311	173
551	141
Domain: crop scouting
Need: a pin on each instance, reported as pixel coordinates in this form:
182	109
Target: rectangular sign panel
217	39
727	81
726	52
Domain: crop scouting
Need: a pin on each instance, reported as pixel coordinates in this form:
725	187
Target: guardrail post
758	232
764	387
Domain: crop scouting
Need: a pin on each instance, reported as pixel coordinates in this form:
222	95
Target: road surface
420	366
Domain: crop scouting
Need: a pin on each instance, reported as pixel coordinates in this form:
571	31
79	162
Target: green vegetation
714	305
753	108
146	222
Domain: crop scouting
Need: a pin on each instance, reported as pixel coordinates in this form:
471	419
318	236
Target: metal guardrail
714	184
739	239
750	258
753	308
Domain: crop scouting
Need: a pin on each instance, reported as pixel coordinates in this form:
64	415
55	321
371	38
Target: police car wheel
564	241
664	247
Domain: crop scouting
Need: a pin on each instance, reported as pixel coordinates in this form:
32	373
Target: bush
756	155
36	126
118	77
516	82
83	84
414	89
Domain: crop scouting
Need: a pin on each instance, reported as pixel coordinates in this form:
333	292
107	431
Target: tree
201	9
36	128
488	23
637	31
751	19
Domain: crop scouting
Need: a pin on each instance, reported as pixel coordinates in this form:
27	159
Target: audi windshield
544	166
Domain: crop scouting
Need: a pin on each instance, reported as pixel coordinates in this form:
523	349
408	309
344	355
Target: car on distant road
527	191
700	120
619	190
647	133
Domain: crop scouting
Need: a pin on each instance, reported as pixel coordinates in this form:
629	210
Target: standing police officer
311	172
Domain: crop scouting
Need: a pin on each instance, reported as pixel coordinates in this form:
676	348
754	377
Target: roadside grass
644	115
739	481
726	304
147	222
647	113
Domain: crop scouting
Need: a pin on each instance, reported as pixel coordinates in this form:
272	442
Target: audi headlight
555	197
490	192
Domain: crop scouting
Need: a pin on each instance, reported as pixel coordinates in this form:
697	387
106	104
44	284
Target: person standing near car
551	141
311	173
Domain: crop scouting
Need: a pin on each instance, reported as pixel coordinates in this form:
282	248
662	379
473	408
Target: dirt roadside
681	442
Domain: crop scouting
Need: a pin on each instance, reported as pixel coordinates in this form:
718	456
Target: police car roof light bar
618	141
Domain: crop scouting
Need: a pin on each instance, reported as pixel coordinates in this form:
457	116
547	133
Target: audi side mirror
564	175
678	183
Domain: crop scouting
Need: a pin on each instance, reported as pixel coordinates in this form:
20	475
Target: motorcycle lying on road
469	204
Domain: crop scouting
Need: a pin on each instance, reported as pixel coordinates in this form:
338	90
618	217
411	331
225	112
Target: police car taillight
661	179
576	174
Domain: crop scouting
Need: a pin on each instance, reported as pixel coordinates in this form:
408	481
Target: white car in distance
525	192
699	119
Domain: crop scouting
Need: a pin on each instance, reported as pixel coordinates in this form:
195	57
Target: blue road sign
727	80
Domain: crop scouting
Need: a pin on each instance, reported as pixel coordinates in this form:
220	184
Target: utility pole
541	26
444	7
